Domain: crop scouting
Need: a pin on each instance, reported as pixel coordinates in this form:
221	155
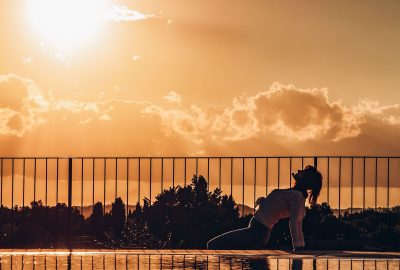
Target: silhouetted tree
96	221
36	226
377	229
117	216
187	217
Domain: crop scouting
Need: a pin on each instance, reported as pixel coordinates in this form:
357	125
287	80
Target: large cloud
283	110
303	114
24	105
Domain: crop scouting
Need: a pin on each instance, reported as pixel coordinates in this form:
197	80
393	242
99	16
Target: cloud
22	105
105	117
278	120
75	106
27	60
124	14
302	114
283	111
389	114
173	97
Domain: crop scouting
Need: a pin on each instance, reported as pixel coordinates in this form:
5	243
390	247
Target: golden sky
229	77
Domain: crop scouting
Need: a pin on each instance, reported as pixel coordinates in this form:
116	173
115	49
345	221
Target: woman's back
279	204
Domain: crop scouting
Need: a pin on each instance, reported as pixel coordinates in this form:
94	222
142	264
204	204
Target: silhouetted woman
279	204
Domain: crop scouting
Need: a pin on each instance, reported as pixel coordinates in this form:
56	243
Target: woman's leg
254	236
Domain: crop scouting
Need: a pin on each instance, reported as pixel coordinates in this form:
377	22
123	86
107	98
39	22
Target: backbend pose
279	204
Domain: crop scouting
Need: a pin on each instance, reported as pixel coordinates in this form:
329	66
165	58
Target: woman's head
309	179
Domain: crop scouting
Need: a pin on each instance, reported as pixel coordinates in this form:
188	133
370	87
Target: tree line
187	217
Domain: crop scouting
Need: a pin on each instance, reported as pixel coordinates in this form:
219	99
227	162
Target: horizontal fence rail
351	183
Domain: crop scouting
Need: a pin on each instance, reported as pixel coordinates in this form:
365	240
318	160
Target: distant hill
87	209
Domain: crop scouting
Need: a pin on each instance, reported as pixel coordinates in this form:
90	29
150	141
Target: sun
67	24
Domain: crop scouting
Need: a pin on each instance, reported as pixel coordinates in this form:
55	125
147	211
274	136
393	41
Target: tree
117	216
96	221
184	217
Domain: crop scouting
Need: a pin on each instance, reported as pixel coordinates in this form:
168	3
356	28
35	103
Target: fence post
316	162
69	201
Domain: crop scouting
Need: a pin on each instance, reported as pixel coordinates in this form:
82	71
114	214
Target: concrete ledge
202	252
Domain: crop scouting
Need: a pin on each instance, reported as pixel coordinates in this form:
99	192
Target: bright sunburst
67	24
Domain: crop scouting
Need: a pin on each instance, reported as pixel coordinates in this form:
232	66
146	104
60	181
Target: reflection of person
279	204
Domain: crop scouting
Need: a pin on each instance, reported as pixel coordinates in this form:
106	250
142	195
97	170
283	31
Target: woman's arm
296	232
296	221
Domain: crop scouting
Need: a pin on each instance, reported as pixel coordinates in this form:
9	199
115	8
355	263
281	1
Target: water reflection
157	261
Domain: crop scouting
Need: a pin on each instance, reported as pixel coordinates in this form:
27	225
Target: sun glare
67	24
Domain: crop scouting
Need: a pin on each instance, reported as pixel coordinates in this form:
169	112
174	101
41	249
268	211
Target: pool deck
201	252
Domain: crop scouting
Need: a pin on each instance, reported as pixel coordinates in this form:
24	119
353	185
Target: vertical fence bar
340	176
127	187
279	171
104	185
1	184
243	171
290	172
184	171
197	167
34	181
328	180
208	173
316	162
173	172
139	180
162	174
351	185
376	183
23	182
364	183
388	183
220	174
69	199
255	184
46	184
266	176
150	177
232	176
82	201
116	178
57	181
12	183
81	192
302	162
93	173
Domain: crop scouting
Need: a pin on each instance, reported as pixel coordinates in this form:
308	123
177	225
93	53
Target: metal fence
351	183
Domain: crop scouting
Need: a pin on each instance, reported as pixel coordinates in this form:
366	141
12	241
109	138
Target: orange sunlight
67	24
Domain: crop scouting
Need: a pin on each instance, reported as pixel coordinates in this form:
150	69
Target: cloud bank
283	110
275	118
